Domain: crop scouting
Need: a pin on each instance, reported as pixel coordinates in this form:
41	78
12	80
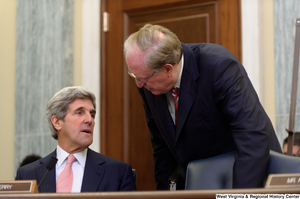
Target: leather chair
216	172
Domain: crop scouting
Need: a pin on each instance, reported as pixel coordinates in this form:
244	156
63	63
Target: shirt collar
177	85
62	155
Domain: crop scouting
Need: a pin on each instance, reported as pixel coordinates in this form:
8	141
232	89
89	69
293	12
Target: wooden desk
187	194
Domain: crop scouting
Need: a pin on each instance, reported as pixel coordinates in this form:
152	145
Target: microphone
49	167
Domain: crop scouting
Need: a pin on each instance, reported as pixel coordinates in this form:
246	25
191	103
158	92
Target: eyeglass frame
132	75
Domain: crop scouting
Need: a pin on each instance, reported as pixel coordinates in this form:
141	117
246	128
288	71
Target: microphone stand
51	164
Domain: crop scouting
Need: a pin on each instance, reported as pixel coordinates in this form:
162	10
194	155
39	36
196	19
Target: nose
88	118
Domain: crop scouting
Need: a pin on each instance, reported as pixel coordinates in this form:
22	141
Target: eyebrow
82	108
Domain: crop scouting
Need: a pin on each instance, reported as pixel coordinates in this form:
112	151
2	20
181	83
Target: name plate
18	186
283	180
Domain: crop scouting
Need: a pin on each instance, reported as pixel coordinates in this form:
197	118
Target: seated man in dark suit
70	115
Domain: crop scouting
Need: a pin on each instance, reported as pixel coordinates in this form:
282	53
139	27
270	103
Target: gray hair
59	104
158	50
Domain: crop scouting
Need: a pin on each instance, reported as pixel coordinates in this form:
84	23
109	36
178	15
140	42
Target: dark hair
296	139
30	158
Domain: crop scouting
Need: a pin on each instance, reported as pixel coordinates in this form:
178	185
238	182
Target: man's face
159	83
295	149
75	131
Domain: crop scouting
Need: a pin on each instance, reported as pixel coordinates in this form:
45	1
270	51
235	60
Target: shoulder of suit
104	158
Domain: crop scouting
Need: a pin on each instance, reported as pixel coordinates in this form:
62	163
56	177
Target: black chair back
216	172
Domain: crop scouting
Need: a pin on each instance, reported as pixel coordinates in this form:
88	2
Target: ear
168	68
56	122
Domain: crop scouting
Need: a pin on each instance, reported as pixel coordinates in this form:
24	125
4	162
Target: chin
155	92
158	92
87	143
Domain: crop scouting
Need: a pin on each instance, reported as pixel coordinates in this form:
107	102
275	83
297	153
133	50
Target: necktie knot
71	159
174	92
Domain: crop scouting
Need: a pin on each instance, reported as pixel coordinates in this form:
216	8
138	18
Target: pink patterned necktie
175	95
65	179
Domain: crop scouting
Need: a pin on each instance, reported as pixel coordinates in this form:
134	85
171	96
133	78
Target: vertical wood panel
229	23
111	82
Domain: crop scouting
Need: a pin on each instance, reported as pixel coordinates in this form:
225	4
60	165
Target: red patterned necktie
65	179
175	95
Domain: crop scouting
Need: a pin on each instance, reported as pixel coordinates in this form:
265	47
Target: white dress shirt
170	99
77	166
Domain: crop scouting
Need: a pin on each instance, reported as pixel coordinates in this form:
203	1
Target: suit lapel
93	172
187	94
49	183
188	88
162	116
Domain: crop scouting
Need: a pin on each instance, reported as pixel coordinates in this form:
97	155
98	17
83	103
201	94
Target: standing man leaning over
217	111
70	116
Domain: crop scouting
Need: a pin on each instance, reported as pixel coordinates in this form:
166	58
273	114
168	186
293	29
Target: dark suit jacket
218	111
101	173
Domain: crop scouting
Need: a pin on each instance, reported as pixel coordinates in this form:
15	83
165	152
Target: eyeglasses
136	79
